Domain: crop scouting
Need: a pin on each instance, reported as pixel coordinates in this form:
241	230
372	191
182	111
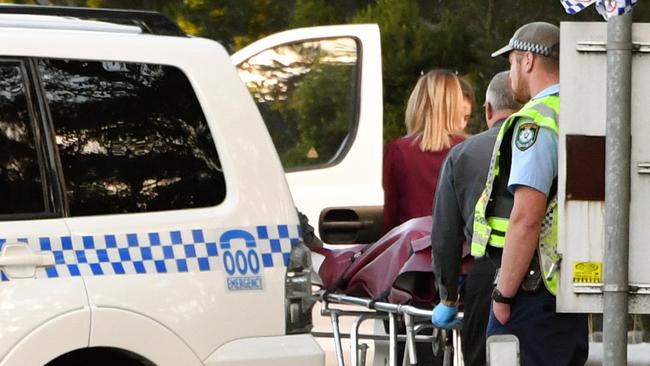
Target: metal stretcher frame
447	340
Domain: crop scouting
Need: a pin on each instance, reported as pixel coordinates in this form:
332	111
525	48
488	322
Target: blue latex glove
444	316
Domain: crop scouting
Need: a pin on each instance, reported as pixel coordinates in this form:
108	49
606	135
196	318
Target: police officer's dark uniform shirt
460	185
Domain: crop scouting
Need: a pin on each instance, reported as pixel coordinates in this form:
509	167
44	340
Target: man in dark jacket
460	184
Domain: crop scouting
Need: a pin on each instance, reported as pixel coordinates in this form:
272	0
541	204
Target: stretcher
390	280
415	322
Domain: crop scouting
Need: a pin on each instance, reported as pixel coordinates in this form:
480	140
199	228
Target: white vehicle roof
87	19
62	23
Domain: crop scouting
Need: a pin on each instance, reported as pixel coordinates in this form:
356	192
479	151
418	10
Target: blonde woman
434	123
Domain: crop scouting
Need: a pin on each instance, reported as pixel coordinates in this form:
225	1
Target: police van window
22	188
131	138
306	93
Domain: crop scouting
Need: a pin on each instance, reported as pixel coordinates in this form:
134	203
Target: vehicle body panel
354	177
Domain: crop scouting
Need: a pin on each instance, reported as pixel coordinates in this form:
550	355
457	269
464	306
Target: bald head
499	102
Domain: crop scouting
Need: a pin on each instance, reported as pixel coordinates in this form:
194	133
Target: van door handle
36	260
346	225
644	168
20	261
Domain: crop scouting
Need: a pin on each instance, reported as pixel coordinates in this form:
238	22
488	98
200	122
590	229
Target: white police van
145	218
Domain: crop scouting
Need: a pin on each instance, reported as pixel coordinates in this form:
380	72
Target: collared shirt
534	163
551	90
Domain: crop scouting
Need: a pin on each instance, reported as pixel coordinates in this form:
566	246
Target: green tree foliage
417	35
309	13
313	12
235	23
159	5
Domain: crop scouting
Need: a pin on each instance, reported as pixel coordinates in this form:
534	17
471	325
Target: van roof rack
149	21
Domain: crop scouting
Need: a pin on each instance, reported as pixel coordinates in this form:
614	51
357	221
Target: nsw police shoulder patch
526	136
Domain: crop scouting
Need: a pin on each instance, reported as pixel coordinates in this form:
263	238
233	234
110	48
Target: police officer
523	173
460	184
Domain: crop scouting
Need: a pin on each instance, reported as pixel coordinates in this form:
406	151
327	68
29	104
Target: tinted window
306	93
21	182
131	137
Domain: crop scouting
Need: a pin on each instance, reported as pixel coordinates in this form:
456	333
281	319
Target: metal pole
334	317
617	190
392	339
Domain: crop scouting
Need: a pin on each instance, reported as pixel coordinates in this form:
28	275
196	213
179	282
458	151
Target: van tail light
298	291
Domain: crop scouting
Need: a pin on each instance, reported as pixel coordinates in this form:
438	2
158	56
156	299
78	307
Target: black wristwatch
497	296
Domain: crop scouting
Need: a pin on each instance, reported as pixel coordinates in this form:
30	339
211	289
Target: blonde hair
435	110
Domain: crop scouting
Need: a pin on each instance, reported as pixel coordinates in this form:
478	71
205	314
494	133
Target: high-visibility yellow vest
491	230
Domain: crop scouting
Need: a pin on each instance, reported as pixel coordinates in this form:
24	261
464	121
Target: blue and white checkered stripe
277	244
575	6
531	47
175	251
606	8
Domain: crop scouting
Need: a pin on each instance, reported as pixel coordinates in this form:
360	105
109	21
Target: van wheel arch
100	356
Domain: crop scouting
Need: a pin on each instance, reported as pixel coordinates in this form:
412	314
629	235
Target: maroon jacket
410	178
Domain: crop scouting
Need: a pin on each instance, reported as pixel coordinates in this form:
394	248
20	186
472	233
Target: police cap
539	37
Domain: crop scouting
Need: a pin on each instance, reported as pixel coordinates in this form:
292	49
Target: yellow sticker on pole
587	272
